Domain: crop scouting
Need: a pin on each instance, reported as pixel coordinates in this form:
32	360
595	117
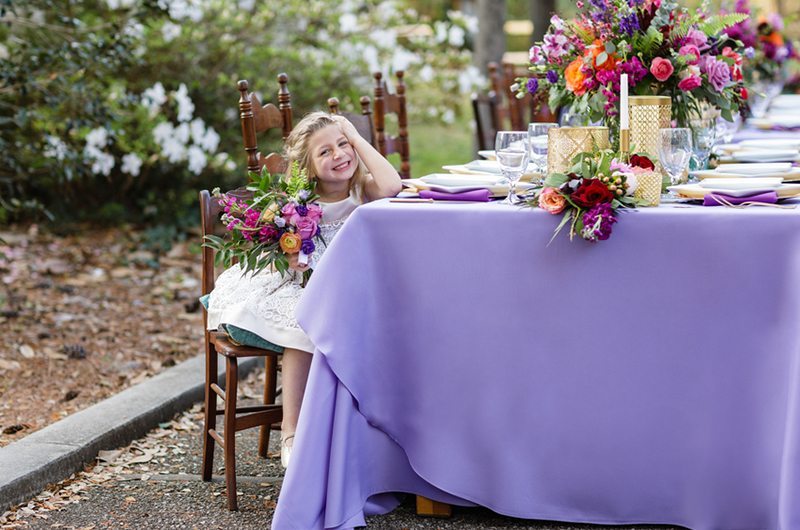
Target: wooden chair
487	122
257	119
387	103
513	112
235	418
362	122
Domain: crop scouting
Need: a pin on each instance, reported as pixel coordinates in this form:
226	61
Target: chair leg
229	436
429	508
210	416
270	385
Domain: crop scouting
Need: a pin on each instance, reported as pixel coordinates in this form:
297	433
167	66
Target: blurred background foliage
121	110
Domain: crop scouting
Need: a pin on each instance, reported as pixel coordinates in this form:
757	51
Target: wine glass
674	152
537	138
726	129
704	134
511	150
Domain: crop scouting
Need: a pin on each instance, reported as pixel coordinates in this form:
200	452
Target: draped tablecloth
650	378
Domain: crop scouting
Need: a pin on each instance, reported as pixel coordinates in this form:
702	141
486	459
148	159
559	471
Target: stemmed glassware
511	150
704	134
674	152
726	129
537	139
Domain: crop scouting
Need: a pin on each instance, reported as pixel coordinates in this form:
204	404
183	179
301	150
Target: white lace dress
265	303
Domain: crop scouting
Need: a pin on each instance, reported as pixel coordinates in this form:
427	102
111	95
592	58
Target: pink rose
661	68
551	200
689	83
690	49
288	209
315	212
306	227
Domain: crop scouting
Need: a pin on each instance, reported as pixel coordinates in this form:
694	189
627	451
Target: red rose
661	68
642	162
591	192
743	93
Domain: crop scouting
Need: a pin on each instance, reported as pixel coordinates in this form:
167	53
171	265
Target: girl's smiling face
333	157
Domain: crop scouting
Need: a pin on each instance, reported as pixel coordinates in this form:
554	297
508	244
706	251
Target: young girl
347	171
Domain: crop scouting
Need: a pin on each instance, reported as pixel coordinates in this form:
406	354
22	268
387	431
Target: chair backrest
362	122
514	112
210	210
386	102
257	119
484	108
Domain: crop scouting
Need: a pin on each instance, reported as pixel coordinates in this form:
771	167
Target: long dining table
650	378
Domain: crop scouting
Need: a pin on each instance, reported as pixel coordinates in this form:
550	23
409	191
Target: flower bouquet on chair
272	219
589	194
664	49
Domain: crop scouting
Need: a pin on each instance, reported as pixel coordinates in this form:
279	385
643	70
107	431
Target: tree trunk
490	43
540	11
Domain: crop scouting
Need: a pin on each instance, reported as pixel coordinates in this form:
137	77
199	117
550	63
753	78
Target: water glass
674	152
512	151
759	99
727	129
704	134
537	138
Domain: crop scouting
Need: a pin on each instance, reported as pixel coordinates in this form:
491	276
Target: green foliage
120	110
648	42
715	24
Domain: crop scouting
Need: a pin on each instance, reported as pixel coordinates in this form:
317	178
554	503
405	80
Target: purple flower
598	221
307	246
552	77
635	70
280	222
718	72
302	210
630	24
696	37
555	45
749	52
302	195
532	85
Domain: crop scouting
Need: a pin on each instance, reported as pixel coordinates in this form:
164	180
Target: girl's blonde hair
296	149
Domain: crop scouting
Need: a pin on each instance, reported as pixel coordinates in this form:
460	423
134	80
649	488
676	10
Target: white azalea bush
123	109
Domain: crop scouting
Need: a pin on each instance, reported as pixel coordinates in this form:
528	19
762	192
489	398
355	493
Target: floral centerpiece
766	48
276	218
665	50
590	193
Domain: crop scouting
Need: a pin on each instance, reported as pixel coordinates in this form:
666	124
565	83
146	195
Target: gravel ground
154	483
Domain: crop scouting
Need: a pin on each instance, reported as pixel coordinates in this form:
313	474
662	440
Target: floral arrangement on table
767	49
590	193
663	48
273	219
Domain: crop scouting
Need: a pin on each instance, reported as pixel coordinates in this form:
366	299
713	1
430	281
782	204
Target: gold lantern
564	143
648	114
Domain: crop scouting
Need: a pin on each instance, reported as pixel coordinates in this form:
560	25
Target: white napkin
755	168
786	101
487	166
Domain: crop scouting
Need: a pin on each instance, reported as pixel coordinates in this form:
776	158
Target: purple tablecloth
650	378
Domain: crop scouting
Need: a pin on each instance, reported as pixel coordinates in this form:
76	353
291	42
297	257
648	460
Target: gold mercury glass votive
648	114
648	187
564	143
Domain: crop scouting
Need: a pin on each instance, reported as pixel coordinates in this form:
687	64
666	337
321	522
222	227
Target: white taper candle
623	102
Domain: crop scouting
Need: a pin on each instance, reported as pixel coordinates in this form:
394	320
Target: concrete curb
55	452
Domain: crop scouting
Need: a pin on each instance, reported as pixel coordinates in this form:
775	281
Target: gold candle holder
564	143
648	114
648	187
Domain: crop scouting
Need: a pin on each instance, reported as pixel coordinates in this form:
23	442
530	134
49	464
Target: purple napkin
472	195
768	196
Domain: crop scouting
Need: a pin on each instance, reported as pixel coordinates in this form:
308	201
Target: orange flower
774	38
596	49
290	243
575	77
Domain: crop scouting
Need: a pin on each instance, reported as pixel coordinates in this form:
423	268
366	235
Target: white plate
769	143
741	184
695	191
766	155
488	154
720	172
785	101
449	183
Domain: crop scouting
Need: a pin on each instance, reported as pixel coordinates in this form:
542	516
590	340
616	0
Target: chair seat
225	347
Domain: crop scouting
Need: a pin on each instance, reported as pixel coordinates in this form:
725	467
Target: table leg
430	508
